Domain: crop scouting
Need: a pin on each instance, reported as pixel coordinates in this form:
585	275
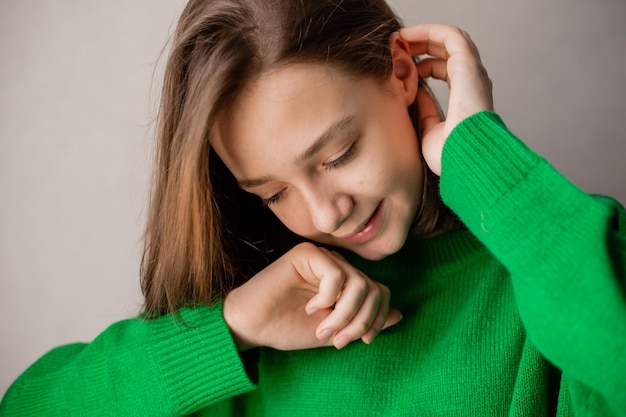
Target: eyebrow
319	143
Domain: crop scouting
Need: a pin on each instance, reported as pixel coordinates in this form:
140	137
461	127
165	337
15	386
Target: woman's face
336	159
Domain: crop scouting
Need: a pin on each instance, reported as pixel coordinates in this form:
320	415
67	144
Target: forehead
294	91
283	111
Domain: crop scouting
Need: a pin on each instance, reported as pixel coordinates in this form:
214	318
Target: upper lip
361	226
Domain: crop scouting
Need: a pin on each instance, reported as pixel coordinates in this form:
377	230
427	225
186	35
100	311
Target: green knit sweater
523	314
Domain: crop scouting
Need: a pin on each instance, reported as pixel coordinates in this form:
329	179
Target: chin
380	250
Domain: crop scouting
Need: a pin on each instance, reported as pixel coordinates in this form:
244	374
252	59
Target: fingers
435	68
318	267
441	41
360	312
365	325
378	323
454	59
428	112
393	317
355	295
332	274
428	48
359	306
446	44
355	312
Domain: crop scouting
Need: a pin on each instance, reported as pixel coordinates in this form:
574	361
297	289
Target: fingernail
325	334
369	337
341	341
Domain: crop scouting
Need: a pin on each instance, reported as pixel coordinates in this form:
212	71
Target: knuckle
342	322
384	289
378	322
457	30
465	35
336	274
358	329
376	328
305	247
382	293
361	285
337	255
362	327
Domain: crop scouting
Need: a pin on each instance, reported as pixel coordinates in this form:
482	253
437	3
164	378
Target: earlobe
404	70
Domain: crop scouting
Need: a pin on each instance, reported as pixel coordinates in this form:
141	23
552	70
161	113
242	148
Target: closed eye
336	163
273	199
345	157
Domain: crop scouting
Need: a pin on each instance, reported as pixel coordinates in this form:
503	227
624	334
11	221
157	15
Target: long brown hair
204	236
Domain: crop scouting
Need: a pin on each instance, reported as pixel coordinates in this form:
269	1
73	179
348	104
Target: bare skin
311	297
308	298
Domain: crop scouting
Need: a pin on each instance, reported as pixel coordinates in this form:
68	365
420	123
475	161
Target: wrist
233	317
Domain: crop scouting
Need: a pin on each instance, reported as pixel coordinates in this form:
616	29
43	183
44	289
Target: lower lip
370	229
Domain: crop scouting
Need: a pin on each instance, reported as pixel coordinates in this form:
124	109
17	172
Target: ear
404	75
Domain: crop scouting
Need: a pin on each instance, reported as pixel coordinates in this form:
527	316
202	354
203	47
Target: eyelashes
336	163
345	157
273	199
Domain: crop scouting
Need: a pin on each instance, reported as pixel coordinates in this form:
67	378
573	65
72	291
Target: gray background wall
75	138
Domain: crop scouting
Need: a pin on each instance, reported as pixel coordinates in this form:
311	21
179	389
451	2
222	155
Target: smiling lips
369	229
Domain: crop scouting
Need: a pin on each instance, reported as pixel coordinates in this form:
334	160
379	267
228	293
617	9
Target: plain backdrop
78	93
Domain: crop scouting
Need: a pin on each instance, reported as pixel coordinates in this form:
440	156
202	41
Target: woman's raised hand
453	58
308	298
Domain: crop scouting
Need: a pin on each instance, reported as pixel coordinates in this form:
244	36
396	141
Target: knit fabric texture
521	313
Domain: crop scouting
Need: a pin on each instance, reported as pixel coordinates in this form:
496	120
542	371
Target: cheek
377	172
295	217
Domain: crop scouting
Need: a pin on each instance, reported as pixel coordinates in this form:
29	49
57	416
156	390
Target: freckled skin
284	112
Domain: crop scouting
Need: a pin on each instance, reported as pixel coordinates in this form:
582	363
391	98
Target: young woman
308	194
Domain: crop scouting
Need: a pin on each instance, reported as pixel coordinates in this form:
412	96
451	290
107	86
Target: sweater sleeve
136	367
565	251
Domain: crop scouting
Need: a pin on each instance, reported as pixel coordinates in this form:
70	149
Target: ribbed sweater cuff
198	359
505	192
482	142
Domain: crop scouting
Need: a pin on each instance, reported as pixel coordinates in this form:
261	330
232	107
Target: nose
327	208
